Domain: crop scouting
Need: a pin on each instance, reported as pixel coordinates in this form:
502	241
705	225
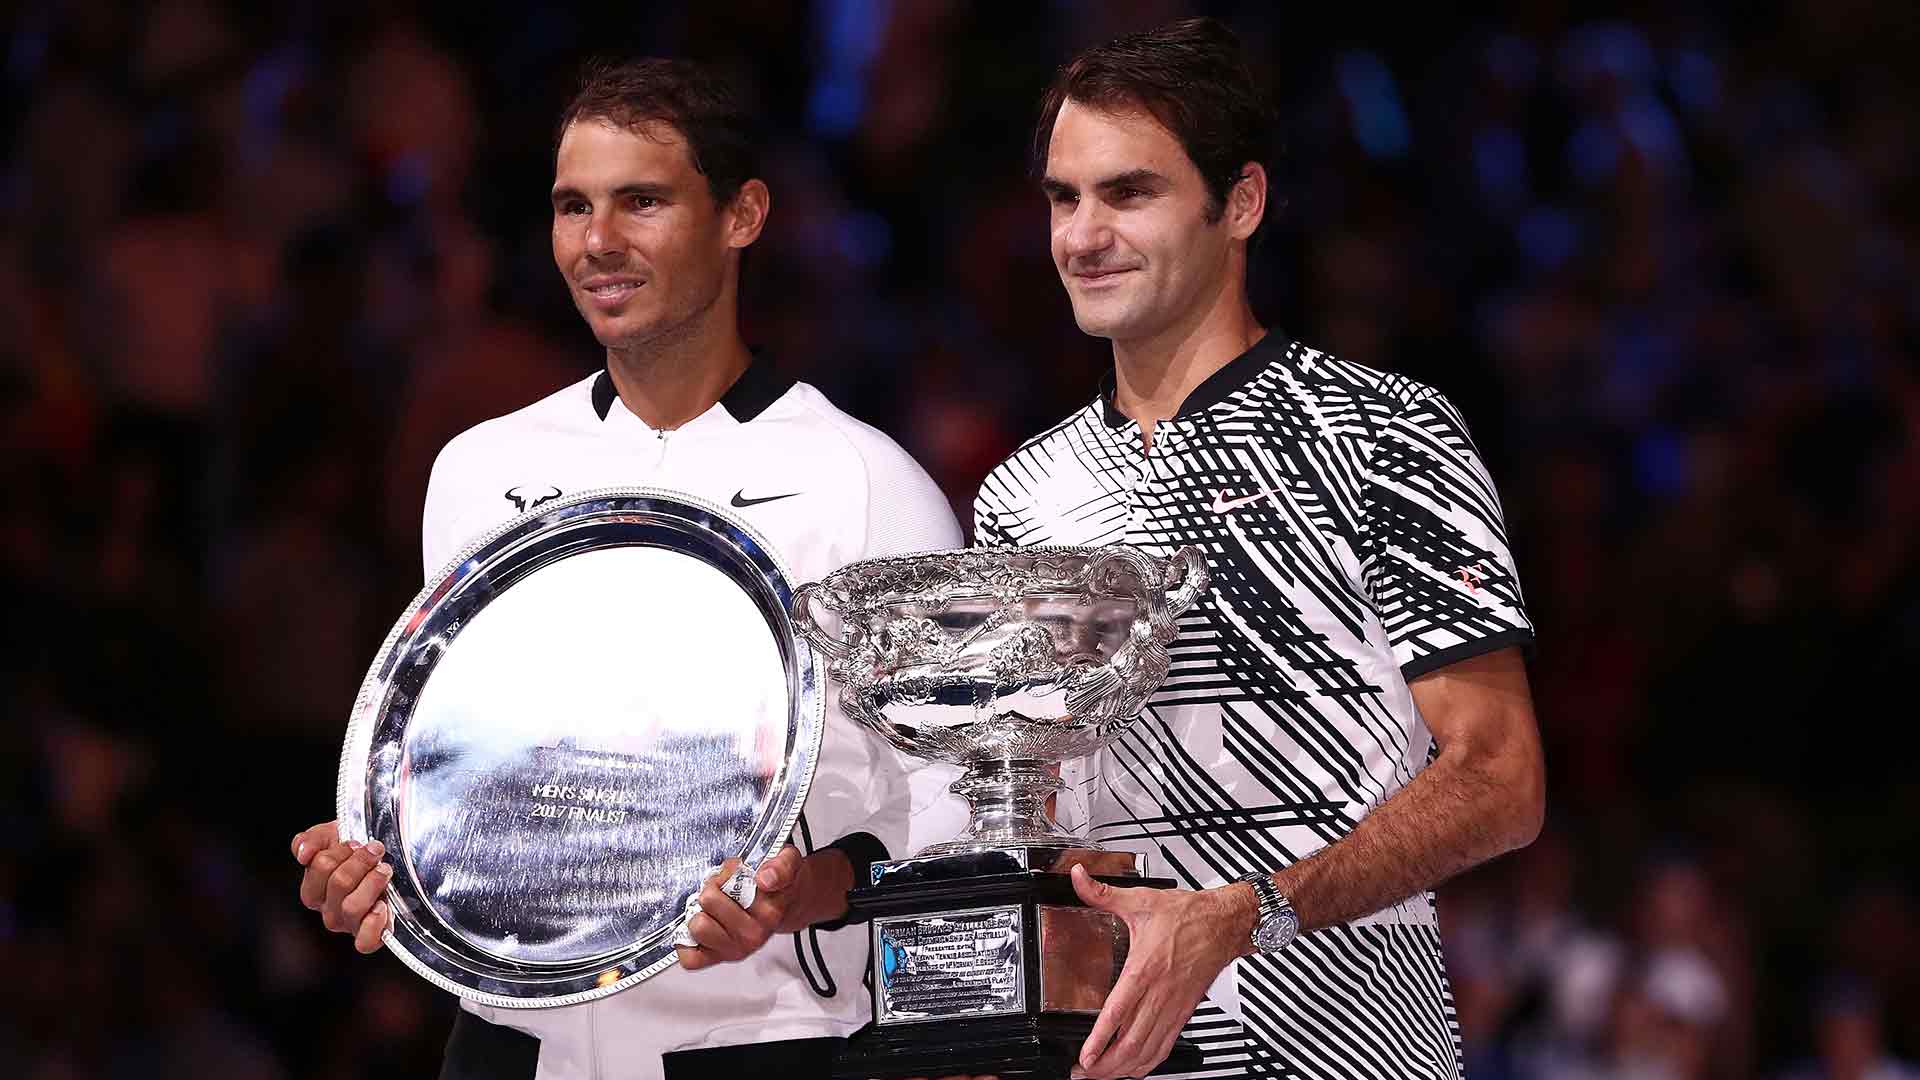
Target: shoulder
1318	371
902	508
874	450
1349	404
563	410
1063	433
1038	455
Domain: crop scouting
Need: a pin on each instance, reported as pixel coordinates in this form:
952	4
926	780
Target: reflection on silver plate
572	724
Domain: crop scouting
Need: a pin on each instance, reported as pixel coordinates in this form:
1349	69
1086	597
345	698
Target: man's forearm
1453	816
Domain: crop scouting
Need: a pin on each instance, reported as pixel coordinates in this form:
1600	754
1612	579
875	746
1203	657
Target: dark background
257	266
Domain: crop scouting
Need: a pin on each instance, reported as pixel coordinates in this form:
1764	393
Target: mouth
610	293
1095	279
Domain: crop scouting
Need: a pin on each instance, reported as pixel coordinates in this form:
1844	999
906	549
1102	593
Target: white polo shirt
825	490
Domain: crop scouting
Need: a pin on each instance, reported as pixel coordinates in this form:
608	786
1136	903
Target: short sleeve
1434	551
438	531
907	512
450	518
987	530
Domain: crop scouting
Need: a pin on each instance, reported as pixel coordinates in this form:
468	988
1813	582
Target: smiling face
1132	239
645	250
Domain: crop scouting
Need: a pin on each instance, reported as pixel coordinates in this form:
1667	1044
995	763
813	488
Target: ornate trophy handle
1182	591
1099	693
807	628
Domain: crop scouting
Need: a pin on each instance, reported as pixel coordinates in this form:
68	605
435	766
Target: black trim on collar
1114	417
1213	390
757	387
603	393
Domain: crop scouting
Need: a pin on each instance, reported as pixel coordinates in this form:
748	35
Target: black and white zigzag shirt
1354	541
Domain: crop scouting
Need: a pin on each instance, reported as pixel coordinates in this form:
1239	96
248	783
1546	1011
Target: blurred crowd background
258	262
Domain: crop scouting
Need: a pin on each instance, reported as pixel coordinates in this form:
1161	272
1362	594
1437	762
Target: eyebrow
646	190
1132	178
1056	188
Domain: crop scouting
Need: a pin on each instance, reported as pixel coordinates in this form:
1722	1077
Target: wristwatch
1277	925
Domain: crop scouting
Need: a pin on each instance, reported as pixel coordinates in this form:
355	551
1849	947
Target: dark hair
1192	77
700	105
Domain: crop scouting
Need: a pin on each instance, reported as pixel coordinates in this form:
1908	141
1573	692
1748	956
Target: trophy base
987	962
1014	1048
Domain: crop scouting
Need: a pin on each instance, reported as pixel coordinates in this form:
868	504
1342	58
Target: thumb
1096	894
723	873
313	841
780	871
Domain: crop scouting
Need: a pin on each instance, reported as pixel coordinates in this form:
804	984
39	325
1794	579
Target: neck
1154	374
676	377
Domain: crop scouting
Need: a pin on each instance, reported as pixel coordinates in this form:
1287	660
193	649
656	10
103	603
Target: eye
574	207
643	202
1128	194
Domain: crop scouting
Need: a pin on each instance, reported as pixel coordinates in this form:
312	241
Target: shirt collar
757	387
1215	389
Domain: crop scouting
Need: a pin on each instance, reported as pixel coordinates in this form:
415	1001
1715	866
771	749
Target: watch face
1276	933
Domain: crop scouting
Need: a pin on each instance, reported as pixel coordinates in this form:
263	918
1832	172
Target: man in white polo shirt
654	201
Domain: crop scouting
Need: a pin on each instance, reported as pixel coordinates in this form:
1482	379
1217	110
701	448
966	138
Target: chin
623	333
1102	324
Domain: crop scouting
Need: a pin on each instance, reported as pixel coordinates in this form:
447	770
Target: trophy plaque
1006	661
576	721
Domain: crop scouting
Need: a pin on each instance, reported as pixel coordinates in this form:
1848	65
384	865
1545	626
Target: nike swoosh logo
1224	505
740	498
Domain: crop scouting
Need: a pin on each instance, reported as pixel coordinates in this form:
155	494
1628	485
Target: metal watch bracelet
1277	925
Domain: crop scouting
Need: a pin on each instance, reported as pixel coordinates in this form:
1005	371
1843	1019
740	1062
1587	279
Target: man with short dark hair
1347	721
655	197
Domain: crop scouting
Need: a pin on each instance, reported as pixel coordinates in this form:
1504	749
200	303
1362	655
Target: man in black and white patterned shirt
1347	722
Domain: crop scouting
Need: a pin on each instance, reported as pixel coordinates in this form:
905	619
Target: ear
747	214
1247	201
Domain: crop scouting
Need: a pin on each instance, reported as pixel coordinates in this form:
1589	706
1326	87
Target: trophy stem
1009	800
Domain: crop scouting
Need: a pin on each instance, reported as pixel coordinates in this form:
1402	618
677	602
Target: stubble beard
643	348
1112	319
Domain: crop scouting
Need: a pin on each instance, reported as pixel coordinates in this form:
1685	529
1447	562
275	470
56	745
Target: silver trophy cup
1005	661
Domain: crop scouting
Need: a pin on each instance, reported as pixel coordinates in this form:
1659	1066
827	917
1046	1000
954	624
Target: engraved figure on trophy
1005	661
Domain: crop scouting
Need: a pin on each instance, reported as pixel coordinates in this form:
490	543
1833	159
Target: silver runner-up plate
578	719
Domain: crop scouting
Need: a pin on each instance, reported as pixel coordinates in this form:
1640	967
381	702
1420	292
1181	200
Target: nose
601	242
1087	232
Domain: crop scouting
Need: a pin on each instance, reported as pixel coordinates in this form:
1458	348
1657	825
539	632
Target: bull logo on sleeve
525	499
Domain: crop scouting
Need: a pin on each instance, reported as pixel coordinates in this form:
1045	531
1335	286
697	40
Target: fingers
344	882
779	872
1162	1047
373	928
1138	1058
1128	1055
724	927
358	904
1118	1018
1143	1040
311	842
320	867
